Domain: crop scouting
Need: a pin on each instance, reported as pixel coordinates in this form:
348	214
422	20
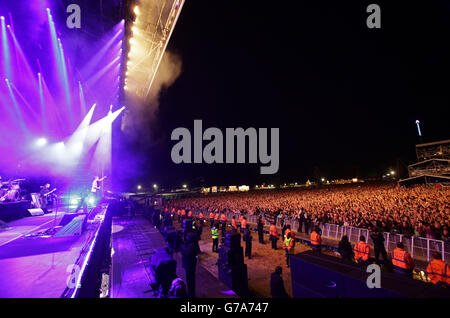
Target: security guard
223	221
438	271
211	218
316	240
233	223
215	238
190	214
261	230
201	218
362	251
288	247
402	261
248	242
183	214
273	235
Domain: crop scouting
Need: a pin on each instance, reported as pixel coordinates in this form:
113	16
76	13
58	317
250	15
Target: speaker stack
232	270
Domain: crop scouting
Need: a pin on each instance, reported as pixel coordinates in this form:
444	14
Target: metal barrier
419	247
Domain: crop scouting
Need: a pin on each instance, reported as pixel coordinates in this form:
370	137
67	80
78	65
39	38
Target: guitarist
96	188
45	190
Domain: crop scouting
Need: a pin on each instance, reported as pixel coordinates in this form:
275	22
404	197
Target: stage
10	211
41	266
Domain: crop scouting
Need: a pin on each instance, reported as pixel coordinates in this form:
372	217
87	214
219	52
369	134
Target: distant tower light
418	128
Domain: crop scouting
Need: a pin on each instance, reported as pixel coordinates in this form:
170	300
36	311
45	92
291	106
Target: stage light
392	172
134	29
139	187
74	201
184	186
155	186
41	142
323	179
132	41
91	200
136	10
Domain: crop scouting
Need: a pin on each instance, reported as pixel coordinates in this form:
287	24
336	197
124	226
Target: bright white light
41	142
134	29
73	201
185	186
323	179
136	10
392	172
132	41
139	187
155	186
91	200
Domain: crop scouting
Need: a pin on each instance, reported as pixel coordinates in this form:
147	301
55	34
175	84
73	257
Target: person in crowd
273	235
248	242
260	226
288	247
215	238
438	271
277	289
378	244
362	251
345	248
402	261
189	259
316	240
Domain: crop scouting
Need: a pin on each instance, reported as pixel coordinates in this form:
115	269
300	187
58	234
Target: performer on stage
45	189
96	188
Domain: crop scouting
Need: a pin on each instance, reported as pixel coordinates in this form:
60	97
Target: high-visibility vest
316	239
273	230
217	217
173	210
244	224
200	215
438	271
190	213
223	217
289	245
215	233
183	212
241	218
401	259
211	215
233	223
179	212
362	250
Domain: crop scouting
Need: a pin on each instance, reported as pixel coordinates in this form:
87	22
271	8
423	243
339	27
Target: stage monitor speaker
36	212
73	228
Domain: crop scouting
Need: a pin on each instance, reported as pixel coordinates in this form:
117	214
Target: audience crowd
419	210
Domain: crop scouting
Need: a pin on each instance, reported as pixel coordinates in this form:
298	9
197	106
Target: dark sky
345	97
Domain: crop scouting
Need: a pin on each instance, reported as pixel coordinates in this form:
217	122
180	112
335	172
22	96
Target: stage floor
133	240
36	267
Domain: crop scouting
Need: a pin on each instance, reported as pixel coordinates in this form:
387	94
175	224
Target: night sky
345	97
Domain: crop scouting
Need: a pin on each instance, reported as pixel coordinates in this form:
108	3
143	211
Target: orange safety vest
200	215
211	215
233	223
183	212
223	217
179	212
286	233
273	230
217	217
316	239
362	250
244	224
401	259
241	218
190	213
438	271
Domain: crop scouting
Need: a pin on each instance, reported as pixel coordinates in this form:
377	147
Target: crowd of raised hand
419	210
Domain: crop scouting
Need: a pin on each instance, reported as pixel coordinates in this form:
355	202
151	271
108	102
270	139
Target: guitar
48	193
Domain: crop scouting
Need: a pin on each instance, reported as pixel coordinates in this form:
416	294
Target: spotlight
184	186
41	142
139	187
91	200
136	10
